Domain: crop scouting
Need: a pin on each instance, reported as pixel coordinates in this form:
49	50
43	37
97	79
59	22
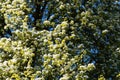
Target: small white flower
64	24
3	39
39	79
80	46
62	6
45	56
105	31
71	22
57	0
5	63
65	77
118	49
14	60
45	40
82	68
90	66
55	46
56	56
46	22
26	53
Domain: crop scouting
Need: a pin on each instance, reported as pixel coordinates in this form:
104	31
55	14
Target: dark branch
38	11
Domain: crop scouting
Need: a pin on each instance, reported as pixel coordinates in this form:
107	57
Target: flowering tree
59	39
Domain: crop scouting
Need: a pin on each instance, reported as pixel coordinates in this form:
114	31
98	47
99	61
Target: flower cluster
82	45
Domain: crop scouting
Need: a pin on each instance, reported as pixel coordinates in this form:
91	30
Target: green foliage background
83	45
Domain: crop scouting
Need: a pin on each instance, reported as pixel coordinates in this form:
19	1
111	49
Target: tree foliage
59	39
